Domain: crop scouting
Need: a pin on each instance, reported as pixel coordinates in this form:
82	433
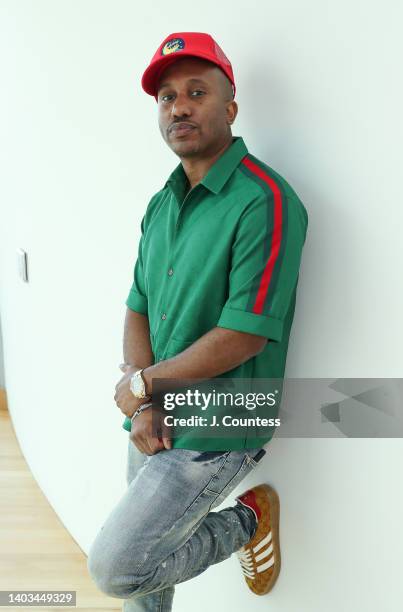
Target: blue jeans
163	531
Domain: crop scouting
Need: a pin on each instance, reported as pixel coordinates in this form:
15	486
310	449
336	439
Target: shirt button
170	271
164	316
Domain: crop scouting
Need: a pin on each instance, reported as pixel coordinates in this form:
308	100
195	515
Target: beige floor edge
36	551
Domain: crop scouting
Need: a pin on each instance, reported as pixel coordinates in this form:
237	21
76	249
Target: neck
196	169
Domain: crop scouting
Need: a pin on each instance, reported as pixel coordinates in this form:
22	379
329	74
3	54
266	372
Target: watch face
137	385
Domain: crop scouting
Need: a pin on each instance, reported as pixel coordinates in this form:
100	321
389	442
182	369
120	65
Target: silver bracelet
140	410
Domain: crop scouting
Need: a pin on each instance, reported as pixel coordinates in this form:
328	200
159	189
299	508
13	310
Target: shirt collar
218	173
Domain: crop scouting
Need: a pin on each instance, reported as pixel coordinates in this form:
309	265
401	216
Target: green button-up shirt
226	253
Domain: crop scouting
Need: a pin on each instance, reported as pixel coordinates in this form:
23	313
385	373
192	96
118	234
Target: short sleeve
265	262
137	298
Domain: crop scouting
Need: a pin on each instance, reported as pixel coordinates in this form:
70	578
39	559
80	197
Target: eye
167	96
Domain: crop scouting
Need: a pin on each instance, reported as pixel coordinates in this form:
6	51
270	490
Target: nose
181	106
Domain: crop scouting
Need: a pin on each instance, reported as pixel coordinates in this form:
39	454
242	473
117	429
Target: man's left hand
123	397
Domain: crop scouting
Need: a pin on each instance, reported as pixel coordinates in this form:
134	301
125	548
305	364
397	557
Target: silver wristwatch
138	385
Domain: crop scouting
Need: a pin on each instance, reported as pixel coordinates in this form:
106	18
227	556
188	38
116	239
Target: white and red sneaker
260	557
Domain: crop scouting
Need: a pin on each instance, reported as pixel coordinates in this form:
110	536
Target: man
213	296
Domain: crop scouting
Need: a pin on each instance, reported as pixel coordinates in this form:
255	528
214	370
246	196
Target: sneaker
260	557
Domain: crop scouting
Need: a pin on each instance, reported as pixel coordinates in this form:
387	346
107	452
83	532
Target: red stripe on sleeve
276	237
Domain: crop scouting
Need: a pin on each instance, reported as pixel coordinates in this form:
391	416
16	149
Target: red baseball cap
184	44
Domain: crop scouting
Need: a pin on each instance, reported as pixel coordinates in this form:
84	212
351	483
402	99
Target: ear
232	111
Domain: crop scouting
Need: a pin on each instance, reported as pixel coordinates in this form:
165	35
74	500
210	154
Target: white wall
1	361
319	101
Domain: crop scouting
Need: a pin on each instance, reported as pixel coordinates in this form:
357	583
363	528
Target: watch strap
144	381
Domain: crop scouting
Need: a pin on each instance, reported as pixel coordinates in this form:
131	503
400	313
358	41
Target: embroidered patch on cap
172	45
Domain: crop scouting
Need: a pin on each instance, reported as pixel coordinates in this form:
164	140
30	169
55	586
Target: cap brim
151	75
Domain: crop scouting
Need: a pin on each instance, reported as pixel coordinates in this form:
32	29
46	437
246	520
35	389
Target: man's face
195	107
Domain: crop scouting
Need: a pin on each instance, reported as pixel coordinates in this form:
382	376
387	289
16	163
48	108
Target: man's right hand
145	429
125	366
